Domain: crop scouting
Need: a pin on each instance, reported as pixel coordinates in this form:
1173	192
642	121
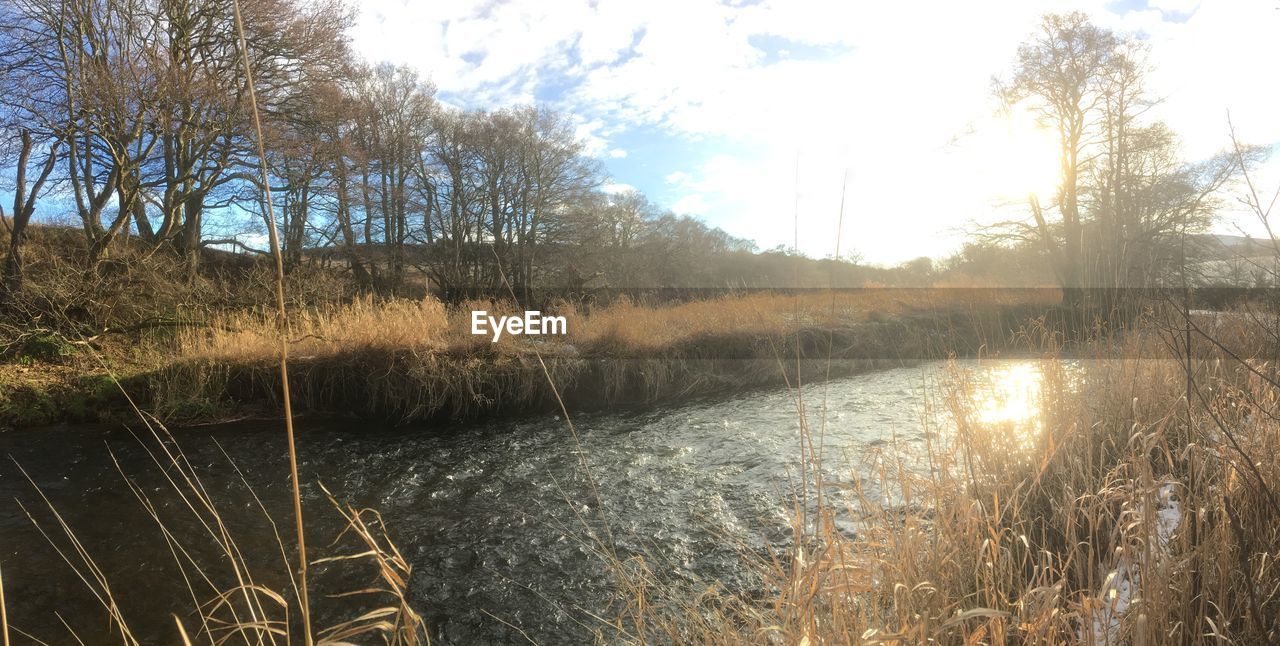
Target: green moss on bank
37	395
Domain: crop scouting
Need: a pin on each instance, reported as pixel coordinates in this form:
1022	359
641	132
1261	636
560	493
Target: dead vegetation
414	359
1136	516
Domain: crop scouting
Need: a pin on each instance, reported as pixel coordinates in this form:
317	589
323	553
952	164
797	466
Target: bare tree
24	205
30	122
1126	200
1060	73
203	121
552	172
392	131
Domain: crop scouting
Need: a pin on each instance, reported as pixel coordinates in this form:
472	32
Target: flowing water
493	515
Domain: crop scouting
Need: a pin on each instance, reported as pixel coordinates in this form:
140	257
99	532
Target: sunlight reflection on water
1013	396
1010	399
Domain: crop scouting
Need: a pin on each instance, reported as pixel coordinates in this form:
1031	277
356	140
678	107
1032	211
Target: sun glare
1012	397
1021	158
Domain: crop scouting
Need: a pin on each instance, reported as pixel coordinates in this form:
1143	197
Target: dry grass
396	623
366	324
988	543
637	326
361	325
137	288
415	359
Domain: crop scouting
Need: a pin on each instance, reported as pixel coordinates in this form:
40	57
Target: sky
757	115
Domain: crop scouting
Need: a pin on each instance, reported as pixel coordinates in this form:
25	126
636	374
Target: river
490	514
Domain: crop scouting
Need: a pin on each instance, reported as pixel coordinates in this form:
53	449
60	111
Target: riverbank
1127	498
404	360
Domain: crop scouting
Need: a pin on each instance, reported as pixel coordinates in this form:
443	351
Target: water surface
492	515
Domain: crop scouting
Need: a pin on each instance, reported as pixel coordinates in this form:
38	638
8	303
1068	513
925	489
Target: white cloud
594	143
610	32
692	204
614	188
1214	62
678	177
1174	6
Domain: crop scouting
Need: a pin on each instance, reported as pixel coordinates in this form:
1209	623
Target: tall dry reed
282	322
369	324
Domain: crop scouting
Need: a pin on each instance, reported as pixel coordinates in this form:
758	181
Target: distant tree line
135	112
133	115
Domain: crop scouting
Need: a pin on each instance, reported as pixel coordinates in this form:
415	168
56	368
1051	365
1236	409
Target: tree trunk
12	267
191	233
144	225
24	205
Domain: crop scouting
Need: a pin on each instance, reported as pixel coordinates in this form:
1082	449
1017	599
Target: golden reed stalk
282	322
4	617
